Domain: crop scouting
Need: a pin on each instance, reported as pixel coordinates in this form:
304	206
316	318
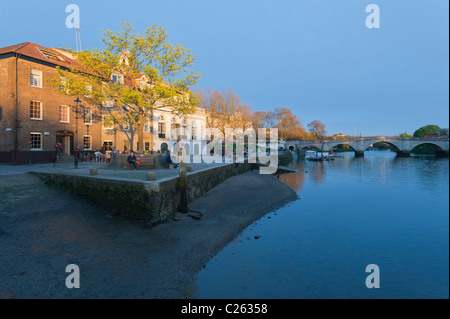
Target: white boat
319	156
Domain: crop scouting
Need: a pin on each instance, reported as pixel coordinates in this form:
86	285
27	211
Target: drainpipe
16	128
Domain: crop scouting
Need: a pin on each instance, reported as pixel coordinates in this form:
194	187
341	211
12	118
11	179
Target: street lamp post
76	132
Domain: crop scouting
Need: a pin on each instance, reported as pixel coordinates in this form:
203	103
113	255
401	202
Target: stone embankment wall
150	201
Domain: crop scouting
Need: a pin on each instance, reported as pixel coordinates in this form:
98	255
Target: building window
88	90
184	129
147	126
108	103
162	130
88	117
87	142
108	123
126	124
36	141
194	131
36	110
63	85
108	146
118	79
64	114
36	78
173	129
161	127
147	146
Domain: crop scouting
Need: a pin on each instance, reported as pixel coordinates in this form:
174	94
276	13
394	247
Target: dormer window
50	55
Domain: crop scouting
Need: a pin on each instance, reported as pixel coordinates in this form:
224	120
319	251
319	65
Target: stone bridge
403	146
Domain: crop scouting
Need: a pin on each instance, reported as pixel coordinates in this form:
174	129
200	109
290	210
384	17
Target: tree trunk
141	133
152	131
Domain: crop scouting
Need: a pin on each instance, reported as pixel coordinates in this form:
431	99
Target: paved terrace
103	171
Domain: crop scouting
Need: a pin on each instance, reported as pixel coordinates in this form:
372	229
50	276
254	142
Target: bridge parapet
402	145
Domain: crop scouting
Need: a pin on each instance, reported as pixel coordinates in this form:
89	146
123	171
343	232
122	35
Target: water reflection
353	212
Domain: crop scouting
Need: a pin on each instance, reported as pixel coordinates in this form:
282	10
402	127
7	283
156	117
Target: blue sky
316	57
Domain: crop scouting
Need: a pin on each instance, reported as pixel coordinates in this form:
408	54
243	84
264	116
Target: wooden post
183	182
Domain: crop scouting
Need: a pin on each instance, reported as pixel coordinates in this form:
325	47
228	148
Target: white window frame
119	78
106	127
63	86
86	112
68	113
41	139
90	142
109	103
89	89
194	131
126	125
41	111
38	74
109	141
147	126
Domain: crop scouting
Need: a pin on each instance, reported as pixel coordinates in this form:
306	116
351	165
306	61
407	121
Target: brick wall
50	123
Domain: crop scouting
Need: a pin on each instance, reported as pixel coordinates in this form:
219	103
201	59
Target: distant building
34	117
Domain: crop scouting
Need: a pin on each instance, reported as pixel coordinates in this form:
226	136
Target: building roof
44	54
56	56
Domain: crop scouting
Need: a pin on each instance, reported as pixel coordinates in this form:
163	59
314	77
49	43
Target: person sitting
132	160
171	163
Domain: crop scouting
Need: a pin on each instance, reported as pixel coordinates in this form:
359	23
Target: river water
352	212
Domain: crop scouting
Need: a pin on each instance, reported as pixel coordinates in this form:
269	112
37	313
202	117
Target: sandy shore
42	230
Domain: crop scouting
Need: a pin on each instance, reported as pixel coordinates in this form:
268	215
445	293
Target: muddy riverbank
42	230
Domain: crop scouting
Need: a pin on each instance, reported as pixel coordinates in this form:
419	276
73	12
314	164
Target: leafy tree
426	130
134	73
405	135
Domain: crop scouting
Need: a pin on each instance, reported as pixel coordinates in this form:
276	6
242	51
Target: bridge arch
310	147
396	147
436	146
342	143
438	149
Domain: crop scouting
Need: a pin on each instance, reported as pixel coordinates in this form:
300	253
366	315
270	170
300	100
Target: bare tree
289	126
317	128
224	109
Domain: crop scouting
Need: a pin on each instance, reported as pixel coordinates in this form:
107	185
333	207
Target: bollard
151	176
94	171
183	184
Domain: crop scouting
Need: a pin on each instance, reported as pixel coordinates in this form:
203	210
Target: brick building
34	116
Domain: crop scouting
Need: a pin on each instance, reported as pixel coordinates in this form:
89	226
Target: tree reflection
294	180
